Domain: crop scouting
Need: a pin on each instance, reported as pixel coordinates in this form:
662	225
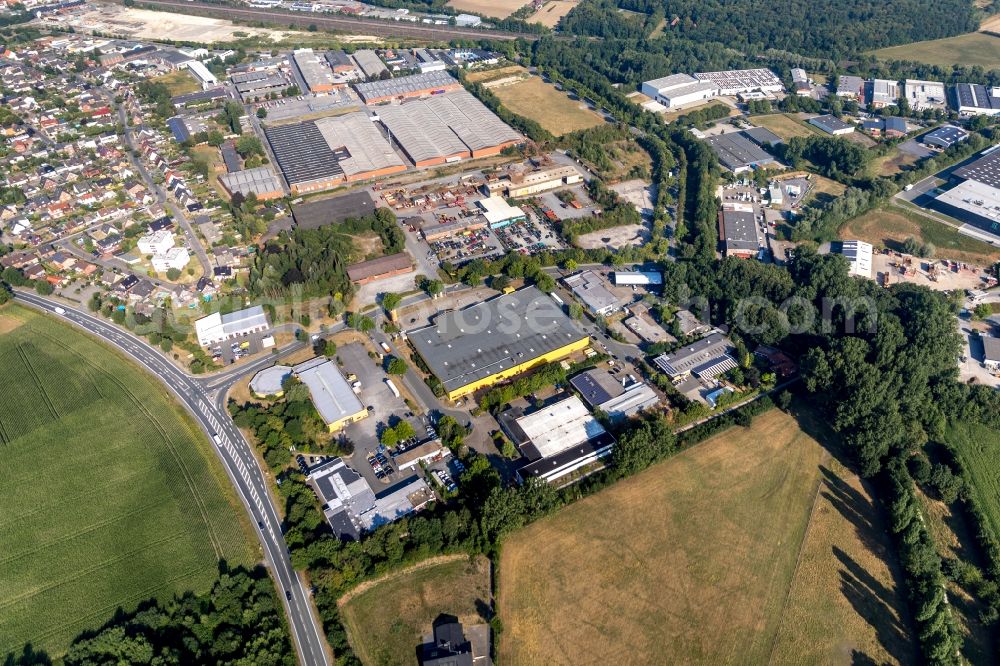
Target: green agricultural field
978	448
974	48
110	496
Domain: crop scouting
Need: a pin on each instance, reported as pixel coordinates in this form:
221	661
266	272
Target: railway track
351	24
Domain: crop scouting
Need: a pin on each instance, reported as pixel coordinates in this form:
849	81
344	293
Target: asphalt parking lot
376	394
230	351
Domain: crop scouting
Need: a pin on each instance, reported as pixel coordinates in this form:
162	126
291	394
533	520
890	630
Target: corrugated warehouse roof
405	85
303	153
559	426
367	149
445	125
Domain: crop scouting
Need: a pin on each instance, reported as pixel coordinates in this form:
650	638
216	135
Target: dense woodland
316	260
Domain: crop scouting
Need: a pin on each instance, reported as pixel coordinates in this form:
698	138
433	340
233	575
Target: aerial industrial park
339	332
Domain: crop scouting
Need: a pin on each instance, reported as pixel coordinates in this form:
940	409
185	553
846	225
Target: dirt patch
552	12
616	237
148	24
688	562
9	323
494	8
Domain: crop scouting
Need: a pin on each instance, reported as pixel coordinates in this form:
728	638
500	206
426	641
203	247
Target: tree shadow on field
28	656
873	602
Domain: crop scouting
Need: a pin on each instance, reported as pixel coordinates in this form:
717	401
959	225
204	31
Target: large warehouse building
332	396
972	99
314	70
559	439
417	85
495	340
446	128
320	154
976	198
679	90
218	327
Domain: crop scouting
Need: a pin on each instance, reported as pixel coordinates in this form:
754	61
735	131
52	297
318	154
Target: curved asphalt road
237	456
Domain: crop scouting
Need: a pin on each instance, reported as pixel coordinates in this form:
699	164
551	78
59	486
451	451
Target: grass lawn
892	163
974	48
180	82
890	226
551	108
784	125
697	560
978	448
111	494
385	620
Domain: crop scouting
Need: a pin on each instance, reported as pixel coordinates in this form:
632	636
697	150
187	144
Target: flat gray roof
370	63
830	123
331	394
739	230
736	151
269	381
464	346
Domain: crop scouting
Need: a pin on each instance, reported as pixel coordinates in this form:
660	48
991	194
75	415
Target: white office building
859	255
156	242
220	327
175	257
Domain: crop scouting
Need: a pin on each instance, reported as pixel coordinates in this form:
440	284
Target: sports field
386	619
891	225
708	557
110	496
549	107
974	48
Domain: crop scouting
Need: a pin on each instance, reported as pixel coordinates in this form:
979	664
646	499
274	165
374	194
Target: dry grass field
693	560
991	24
974	48
892	163
847	549
180	82
549	107
552	11
890	226
496	8
386	619
783	125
